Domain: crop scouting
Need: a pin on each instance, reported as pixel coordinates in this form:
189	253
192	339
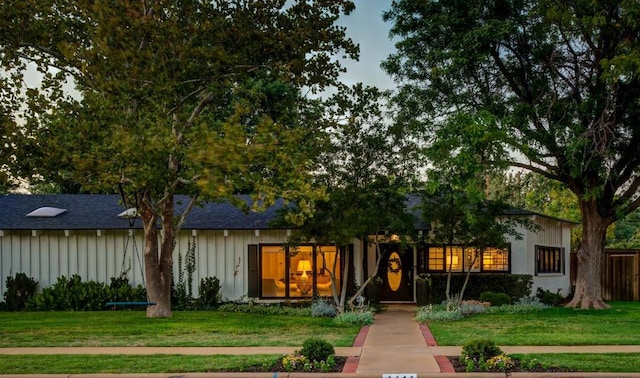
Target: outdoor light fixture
304	266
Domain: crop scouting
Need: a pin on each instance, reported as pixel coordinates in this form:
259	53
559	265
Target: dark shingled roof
97	211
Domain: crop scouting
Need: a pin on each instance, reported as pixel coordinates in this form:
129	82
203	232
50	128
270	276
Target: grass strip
619	325
600	362
184	329
130	364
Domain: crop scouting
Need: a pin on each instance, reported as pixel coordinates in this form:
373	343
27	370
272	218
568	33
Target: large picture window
298	272
549	259
463	259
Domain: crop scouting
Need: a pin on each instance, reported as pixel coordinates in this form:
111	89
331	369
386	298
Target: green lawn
596	362
619	325
130	364
557	326
132	328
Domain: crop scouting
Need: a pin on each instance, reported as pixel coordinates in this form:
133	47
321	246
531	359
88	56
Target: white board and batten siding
553	233
98	256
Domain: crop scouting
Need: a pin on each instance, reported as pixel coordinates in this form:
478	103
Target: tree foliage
368	168
537	193
193	97
459	202
559	77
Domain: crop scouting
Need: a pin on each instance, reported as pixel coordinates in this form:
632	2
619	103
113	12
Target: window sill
559	274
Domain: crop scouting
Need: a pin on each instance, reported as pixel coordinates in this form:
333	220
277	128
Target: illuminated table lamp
304	266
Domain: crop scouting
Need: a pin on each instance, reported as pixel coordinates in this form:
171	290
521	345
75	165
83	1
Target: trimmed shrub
496	299
20	290
317	349
72	294
549	298
514	285
480	350
121	291
209	293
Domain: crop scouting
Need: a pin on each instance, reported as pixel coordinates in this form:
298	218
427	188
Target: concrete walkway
394	346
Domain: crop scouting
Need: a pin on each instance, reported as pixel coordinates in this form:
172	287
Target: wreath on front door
395	265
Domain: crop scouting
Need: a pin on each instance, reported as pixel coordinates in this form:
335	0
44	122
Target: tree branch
185	213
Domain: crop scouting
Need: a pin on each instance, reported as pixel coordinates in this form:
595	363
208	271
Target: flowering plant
500	362
298	362
294	362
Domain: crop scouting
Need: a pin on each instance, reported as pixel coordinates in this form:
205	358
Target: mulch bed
337	368
460	367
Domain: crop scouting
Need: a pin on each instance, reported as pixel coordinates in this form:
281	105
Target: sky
366	28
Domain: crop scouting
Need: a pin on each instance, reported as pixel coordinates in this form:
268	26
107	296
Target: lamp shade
304	265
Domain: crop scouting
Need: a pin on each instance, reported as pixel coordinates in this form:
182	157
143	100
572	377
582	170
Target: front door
396	271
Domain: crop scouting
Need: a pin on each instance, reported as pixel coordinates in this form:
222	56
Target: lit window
454	258
436	258
46	212
549	259
445	258
495	260
273	271
471	259
298	272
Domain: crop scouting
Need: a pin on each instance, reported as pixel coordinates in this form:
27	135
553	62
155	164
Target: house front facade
251	259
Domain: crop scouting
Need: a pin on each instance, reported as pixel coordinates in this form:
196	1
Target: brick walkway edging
443	362
351	365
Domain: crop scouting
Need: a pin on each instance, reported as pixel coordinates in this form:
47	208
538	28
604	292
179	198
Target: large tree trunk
588	291
158	259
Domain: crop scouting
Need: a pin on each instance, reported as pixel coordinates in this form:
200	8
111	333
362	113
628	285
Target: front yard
556	326
619	325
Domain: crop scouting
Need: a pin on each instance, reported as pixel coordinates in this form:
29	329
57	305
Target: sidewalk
395	345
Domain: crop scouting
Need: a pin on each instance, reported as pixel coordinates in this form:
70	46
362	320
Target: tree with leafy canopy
367	167
625	233
561	80
459	202
531	191
7	148
193	97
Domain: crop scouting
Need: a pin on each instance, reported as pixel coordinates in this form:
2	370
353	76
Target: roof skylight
131	212
46	212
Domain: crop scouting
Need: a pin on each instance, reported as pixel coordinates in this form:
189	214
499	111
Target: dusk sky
366	28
